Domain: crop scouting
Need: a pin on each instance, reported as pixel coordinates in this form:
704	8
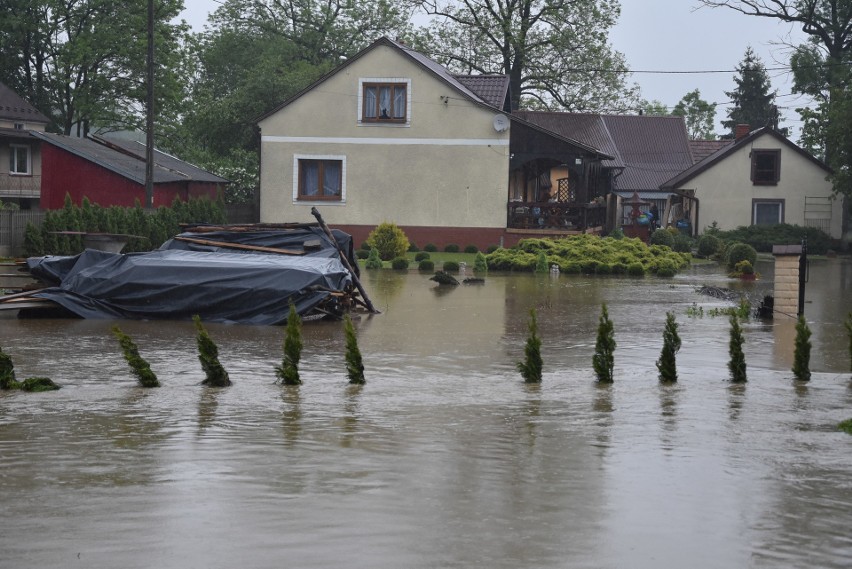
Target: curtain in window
331	178
399	102
310	177
385	102
767	213
369	102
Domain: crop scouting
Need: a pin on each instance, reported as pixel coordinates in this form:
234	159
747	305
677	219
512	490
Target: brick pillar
787	278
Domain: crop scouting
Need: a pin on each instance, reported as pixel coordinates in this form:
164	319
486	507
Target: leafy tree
555	52
82	62
654	108
753	102
699	115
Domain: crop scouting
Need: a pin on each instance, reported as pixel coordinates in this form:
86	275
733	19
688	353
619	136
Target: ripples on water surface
444	458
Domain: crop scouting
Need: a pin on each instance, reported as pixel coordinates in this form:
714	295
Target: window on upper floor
319	179
765	167
19	126
384	102
19	159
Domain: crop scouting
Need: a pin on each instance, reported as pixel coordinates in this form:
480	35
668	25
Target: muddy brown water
444	458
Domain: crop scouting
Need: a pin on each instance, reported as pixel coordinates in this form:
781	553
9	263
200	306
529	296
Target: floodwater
445	458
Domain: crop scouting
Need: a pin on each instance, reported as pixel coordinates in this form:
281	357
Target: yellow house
761	178
20	156
390	135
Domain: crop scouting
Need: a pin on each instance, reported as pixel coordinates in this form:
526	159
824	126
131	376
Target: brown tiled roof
14	108
650	149
492	89
701	149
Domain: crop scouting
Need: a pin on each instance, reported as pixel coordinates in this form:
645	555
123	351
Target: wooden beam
242	246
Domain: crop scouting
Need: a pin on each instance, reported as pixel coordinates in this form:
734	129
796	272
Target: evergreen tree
667	364
354	363
848	324
802	353
208	355
288	371
753	100
530	368
138	365
737	364
604	359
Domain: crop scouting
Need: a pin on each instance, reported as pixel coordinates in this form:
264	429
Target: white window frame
758	202
339	157
13	148
403	80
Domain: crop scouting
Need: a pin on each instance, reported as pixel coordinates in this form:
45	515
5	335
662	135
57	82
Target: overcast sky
672	35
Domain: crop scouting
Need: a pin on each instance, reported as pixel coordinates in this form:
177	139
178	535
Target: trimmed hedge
763	237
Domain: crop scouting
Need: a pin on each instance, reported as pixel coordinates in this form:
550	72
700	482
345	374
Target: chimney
741	131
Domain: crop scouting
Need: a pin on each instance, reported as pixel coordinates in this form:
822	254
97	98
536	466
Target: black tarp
220	286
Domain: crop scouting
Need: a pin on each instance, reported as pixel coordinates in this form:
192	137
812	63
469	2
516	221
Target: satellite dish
501	123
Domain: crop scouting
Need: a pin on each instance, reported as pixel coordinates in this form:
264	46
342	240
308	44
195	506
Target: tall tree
699	115
555	52
821	70
654	108
82	62
752	98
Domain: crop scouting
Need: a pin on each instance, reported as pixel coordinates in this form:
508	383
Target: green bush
480	265
451	248
666	268
399	263
636	270
451	267
374	261
412	247
471	249
365	246
362	254
389	240
421	256
740	252
744	268
492	248
426	266
662	237
708	245
682	243
763	237
430	247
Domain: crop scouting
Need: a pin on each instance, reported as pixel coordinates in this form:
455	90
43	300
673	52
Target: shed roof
13	107
128	159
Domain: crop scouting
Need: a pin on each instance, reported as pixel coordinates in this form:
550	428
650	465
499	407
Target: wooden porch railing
555	216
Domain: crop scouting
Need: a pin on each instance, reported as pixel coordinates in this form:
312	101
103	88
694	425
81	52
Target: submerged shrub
390	241
736	364
426	266
374	261
531	367
492	248
38	384
362	254
541	265
480	265
708	245
288	371
636	270
740	252
848	325
400	264
666	268
139	367
662	237
666	364
451	267
846	426
682	243
208	355
802	353
604	359
7	371
421	256
354	363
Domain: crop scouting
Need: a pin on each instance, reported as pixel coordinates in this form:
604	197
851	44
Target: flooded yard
445	458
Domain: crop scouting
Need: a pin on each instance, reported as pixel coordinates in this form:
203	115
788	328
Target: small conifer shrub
531	367
737	364
604	359
288	371
541	265
802	353
208	355
374	261
480	263
354	362
390	241
667	365
848	324
139	367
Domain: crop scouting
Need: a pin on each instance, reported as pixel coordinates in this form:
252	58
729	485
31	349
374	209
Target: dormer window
384	101
765	167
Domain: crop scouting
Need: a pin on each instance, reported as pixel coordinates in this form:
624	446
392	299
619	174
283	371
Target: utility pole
149	113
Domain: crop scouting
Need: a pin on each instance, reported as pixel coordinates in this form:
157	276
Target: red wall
65	173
